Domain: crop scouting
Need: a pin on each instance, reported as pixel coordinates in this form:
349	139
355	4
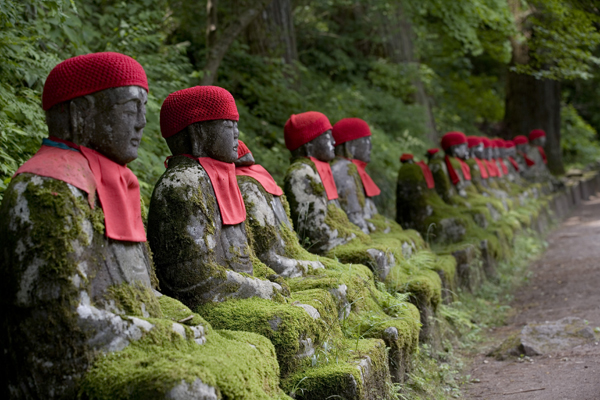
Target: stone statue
196	219
323	226
78	278
268	219
355	187
522	146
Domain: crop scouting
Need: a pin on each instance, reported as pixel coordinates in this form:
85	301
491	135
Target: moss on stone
135	300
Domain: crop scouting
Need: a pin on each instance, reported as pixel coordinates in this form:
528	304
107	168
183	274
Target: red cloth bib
324	170
466	170
427	173
451	172
118	188
514	163
496	162
492	168
543	154
227	191
528	160
482	169
371	188
503	166
262	176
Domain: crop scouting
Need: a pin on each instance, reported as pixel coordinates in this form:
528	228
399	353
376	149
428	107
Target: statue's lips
135	142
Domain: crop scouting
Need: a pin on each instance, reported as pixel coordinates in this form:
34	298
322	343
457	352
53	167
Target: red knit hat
453	139
302	128
406	157
196	104
486	142
521	139
509	143
499	143
473	141
91	73
536	133
432	151
349	129
242	149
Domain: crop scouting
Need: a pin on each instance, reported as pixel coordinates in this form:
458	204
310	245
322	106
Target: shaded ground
565	282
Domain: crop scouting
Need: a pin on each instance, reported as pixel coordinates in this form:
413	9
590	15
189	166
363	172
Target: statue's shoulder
183	179
300	166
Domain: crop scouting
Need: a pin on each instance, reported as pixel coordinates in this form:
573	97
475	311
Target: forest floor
564	282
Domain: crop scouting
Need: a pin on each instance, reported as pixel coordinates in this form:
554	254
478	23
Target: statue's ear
195	137
80	110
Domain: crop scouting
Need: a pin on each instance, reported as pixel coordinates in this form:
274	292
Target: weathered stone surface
545	338
198	259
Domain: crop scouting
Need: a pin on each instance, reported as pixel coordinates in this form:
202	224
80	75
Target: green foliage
579	140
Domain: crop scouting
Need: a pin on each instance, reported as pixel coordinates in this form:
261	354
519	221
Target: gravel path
565	282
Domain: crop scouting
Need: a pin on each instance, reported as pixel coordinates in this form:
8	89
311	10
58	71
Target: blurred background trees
413	69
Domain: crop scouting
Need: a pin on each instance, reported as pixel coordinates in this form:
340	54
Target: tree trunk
398	38
535	104
272	33
226	36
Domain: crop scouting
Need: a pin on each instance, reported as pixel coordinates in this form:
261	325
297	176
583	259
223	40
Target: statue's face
510	152
541	141
217	139
477	151
488	153
322	147
460	150
362	149
522	148
115	125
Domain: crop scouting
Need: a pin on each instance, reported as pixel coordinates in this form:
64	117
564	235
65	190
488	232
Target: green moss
337	219
283	324
134	300
360	192
176	311
242	365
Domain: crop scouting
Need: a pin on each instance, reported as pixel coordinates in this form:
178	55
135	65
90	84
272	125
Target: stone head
431	154
98	101
510	151
245	157
310	135
201	121
477	151
353	139
407	159
455	144
537	137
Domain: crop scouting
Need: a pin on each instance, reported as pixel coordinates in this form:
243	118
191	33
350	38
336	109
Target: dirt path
565	282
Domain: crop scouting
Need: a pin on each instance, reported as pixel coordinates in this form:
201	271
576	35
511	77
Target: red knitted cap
242	149
302	128
509	143
473	141
486	142
91	73
406	157
453	139
349	129
521	139
499	143
196	104
536	133
432	151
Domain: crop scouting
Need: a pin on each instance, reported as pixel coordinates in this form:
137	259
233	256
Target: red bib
118	188
543	154
492	168
482	169
496	161
514	163
451	172
466	170
227	192
503	166
324	170
257	172
371	188
427	173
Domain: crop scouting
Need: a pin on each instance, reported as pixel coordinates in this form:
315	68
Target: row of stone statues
93	309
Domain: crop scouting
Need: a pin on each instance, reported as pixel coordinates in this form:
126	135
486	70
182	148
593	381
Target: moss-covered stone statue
351	286
80	315
196	218
324	228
